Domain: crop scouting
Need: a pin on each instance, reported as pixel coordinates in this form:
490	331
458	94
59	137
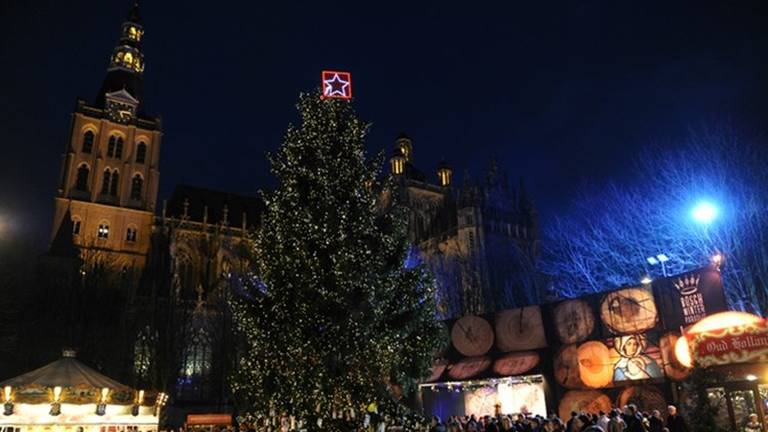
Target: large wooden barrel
437	369
574	321
472	336
567	367
469	367
630	310
591	401
595	367
516	363
520	329
672	368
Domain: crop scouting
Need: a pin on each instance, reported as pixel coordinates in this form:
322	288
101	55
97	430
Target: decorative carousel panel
595	367
590	401
520	329
32	395
574	321
635	357
469	367
472	336
567	367
82	394
516	363
630	310
647	398
672	367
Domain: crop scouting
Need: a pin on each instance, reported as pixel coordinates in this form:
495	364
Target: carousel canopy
65	372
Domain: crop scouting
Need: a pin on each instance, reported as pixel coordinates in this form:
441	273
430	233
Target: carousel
67	395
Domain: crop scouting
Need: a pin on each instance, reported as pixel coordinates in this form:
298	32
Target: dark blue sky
560	91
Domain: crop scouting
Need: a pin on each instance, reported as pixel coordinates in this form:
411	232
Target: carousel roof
65	372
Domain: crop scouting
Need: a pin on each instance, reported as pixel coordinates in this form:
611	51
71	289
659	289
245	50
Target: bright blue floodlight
704	213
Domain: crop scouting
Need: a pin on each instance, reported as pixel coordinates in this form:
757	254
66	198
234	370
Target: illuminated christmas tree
335	315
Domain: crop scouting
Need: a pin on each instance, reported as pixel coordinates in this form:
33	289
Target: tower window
88	142
105	181
136	185
115	185
119	148
76	226
103	232
81	183
130	234
141	152
111	146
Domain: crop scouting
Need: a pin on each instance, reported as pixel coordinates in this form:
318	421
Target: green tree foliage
332	316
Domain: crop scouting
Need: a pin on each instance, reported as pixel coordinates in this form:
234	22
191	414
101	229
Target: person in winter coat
675	422
655	423
753	425
615	423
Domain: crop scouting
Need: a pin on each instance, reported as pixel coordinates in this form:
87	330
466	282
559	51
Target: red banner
738	344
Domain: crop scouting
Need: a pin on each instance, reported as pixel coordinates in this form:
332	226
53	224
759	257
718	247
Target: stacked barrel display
602	350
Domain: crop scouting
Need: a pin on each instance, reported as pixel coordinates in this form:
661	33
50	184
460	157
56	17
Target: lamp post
659	259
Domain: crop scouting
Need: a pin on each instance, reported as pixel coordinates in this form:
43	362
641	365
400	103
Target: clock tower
107	190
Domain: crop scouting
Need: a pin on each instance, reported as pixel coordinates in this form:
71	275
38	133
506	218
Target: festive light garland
332	318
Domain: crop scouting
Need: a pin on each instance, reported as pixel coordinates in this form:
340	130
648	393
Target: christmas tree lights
333	320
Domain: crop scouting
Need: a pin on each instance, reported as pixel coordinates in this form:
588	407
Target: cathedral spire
126	64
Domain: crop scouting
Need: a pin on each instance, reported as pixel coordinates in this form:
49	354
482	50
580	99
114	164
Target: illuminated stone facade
480	238
110	170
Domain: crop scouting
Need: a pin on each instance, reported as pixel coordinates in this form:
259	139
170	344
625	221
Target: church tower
107	190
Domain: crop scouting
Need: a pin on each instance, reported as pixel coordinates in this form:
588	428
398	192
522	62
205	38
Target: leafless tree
604	238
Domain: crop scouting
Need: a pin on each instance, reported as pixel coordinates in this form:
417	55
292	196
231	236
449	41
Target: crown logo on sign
687	285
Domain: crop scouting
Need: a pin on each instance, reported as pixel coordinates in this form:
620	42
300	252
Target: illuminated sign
738	344
337	85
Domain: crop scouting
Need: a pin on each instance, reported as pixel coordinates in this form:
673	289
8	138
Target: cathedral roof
199	201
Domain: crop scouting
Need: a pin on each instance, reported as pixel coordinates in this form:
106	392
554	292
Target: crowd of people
629	419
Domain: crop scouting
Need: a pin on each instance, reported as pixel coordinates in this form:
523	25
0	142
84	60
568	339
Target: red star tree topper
337	85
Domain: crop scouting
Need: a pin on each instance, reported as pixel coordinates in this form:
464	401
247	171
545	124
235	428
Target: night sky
559	92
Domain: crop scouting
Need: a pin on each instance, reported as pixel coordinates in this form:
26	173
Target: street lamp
659	259
704	212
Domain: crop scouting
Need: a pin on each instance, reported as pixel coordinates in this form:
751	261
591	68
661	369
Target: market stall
67	395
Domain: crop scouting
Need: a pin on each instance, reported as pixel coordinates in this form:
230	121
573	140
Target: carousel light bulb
104	394
140	399
56	393
7	393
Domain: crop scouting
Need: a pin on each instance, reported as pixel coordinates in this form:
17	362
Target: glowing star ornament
337	85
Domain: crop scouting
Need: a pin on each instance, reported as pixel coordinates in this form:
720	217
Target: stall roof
65	372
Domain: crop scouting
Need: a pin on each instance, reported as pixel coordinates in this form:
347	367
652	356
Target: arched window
196	365
115	185
119	148
88	141
136	185
130	234
142	353
103	232
111	146
141	152
76	222
105	181
81	183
